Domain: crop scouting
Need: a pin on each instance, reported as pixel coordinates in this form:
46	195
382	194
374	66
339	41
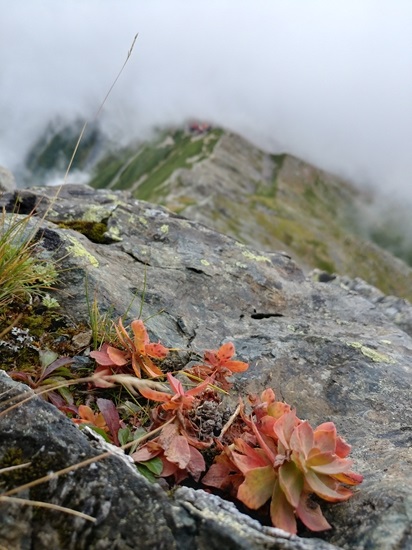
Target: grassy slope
293	206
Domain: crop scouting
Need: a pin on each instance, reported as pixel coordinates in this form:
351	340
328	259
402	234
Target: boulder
326	350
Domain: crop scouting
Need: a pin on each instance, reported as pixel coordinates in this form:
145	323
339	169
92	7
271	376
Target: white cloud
327	80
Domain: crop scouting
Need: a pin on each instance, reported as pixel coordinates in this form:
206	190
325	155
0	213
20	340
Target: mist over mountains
329	82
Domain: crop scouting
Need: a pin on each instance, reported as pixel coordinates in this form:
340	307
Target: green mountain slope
269	201
272	202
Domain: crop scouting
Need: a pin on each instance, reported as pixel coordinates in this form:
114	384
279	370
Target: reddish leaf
342	448
311	515
144	453
250	458
222	358
178	451
61	362
217	475
196	463
265	444
141	338
349	478
111	416
151	369
169	468
284	427
101	356
328	463
325	437
277	409
281	512
301	439
117	356
87	416
155	395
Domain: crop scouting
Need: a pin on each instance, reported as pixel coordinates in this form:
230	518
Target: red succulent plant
138	352
218	365
289	462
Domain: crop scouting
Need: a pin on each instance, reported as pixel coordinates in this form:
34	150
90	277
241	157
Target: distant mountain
272	202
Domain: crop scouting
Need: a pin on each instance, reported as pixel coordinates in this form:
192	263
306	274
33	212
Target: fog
329	81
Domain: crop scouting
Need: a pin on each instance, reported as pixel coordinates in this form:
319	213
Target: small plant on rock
22	275
267	456
138	352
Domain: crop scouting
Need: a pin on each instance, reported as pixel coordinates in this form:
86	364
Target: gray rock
398	310
324	349
7	181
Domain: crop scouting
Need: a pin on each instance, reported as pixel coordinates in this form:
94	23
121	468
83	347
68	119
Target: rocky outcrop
324	349
398	310
268	202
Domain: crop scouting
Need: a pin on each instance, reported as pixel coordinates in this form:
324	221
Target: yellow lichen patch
142	220
96	213
250	256
114	233
371	353
164	229
78	250
204	262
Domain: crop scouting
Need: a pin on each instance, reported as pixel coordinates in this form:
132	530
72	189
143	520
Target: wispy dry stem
129	53
41	504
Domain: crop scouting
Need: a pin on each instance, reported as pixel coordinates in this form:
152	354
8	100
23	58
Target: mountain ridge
271	202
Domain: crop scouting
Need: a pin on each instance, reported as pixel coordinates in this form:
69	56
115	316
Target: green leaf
66	394
146	473
291	482
140	432
98	431
155	465
47	357
124	435
64	371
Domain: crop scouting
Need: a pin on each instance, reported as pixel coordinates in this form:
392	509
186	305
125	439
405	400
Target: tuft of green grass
22	275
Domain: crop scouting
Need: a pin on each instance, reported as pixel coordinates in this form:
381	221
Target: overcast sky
329	81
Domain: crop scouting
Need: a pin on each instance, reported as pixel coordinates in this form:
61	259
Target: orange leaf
151	369
141	338
154	395
326	487
225	352
257	487
236	366
158	351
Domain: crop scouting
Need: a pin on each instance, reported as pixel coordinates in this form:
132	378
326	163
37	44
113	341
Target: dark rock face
325	350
